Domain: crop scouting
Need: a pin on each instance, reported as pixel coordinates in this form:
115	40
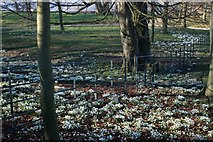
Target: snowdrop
189	122
210	133
205	119
194	111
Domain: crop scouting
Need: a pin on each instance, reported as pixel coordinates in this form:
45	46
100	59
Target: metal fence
94	74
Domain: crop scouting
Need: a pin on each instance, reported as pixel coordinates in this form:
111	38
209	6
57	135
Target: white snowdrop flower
67	124
205	119
88	77
79	78
210	133
205	106
59	93
194	111
199	137
106	95
189	122
183	112
181	98
109	77
177	102
119	117
118	105
205	128
67	117
110	137
91	91
155	134
168	113
35	118
72	112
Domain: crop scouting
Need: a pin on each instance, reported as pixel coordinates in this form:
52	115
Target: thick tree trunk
209	87
183	19
165	18
127	32
60	17
45	69
143	30
153	22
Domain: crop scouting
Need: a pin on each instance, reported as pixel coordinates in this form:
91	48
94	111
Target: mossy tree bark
45	70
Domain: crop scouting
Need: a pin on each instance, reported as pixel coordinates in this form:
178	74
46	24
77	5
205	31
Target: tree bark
102	8
165	18
209	87
45	70
60	17
205	11
183	19
142	34
17	7
127	32
153	22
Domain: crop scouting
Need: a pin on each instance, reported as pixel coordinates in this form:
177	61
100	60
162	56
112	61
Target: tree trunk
153	22
183	19
209	87
143	32
60	17
28	9
180	13
45	69
205	12
17	7
102	8
127	32
165	18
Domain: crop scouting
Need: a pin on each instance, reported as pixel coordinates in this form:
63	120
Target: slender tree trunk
45	69
127	32
28	9
60	17
17	7
209	88
102	8
183	19
180	13
165	18
153	22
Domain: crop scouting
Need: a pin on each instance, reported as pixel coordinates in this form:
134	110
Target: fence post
125	75
111	73
136	73
95	93
180	58
10	91
153	67
145	72
74	86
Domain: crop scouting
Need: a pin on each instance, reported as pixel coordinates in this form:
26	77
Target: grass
19	34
